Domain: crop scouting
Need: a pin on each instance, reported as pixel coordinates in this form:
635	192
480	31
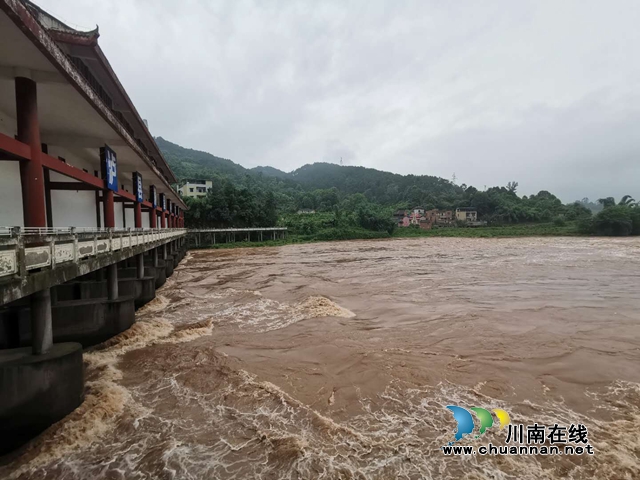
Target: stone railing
26	249
226	230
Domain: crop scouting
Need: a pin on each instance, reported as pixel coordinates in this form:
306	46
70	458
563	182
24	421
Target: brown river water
337	360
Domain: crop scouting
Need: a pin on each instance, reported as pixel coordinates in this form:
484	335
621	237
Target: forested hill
378	186
271	172
250	197
384	187
194	164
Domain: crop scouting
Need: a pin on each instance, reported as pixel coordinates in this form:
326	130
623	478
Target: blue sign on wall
154	196
109	167
137	187
163	201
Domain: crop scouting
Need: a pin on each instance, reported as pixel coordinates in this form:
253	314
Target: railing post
21	263
52	248
75	244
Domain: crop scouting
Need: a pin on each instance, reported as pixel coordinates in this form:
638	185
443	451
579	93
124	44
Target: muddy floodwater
337	360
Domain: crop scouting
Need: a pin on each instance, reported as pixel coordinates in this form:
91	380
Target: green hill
244	197
378	186
187	163
271	172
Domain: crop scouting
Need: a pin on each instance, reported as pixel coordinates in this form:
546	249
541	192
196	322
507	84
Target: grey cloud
534	91
337	152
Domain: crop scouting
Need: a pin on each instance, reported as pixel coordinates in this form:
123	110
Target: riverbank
333	234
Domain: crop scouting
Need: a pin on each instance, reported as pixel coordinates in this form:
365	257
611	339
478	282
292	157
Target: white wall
131	221
73	208
10	195
118	215
10	186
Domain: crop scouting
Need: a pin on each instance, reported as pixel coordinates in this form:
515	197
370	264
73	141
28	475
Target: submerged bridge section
204	237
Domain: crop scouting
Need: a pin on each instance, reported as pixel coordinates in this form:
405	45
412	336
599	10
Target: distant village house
425	219
466	214
195	188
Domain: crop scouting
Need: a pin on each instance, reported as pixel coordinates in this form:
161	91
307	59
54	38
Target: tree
576	211
512	187
614	220
607	202
627	201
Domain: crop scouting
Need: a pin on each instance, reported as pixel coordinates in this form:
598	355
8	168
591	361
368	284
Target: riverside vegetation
358	203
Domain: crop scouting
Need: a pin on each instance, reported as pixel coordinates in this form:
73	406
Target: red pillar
153	218
108	208
31	172
138	215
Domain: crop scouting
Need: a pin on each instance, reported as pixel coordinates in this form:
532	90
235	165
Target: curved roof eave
19	13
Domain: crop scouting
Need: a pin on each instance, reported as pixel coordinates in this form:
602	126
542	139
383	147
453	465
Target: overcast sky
546	93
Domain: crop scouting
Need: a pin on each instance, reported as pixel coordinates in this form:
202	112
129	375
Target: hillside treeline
365	198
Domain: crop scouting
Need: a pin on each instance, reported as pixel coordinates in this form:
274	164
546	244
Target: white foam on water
264	315
105	399
248	428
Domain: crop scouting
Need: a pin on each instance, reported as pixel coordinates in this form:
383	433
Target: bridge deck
232	230
35	258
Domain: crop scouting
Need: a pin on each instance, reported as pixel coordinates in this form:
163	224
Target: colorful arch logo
466	424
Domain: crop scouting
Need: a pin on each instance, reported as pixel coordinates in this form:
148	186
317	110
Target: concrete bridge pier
41	329
158	266
168	260
41	383
140	265
112	282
